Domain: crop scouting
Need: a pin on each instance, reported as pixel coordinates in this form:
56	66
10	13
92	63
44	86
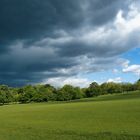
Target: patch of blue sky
133	56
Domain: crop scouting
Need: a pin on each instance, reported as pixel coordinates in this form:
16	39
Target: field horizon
70	69
108	117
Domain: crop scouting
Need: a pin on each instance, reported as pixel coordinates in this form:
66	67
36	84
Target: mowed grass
111	117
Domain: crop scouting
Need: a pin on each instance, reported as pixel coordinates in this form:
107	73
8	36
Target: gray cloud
33	19
59	38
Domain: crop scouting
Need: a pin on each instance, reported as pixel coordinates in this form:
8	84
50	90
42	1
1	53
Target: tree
137	85
3	98
93	90
26	94
5	95
65	93
68	92
128	87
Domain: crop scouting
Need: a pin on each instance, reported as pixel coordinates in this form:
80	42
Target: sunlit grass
111	117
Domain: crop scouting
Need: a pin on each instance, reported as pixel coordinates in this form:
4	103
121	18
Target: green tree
68	92
137	85
93	90
5	94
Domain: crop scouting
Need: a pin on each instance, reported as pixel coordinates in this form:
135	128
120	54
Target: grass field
111	117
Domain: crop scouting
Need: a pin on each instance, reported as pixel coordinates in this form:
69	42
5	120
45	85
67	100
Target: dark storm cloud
51	38
26	19
30	19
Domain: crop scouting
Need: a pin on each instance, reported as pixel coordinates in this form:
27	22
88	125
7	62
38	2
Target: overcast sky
69	41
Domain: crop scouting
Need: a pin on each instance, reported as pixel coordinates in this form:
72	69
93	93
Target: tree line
45	93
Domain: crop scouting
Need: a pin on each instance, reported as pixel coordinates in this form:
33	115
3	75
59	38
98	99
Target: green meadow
110	117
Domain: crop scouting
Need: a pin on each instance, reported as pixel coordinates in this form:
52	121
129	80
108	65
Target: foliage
45	93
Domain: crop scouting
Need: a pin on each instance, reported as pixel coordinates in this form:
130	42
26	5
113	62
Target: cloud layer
47	40
132	68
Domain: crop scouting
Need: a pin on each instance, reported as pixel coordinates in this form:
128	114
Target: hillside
107	117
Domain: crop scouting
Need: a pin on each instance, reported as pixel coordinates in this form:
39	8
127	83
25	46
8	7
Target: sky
69	41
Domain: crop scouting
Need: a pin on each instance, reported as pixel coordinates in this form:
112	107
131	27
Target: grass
111	117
